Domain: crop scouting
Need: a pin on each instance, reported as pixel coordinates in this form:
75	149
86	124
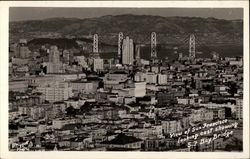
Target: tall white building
54	64
127	51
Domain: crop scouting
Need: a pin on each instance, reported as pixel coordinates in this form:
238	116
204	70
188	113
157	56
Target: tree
232	88
71	111
86	107
235	144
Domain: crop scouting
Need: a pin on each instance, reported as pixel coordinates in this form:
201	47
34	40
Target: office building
22	50
54	64
127	51
56	91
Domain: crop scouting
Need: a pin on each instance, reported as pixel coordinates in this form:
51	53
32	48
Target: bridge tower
95	43
120	39
192	46
153	45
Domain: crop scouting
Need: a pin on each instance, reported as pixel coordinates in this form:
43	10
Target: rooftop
122	139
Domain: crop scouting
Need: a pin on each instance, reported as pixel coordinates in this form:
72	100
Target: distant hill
171	31
135	25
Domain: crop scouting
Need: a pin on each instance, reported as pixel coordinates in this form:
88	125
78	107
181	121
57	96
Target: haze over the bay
34	13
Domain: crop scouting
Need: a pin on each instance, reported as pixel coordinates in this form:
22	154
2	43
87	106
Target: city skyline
126	83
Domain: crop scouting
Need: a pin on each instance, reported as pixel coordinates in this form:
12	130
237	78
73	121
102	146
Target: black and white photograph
125	79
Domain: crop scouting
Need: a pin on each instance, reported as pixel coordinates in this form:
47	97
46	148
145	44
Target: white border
4	13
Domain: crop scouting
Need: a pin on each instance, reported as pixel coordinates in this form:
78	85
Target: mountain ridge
74	18
139	27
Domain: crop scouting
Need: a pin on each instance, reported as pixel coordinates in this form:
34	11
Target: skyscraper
54	65
66	57
54	56
22	49
127	51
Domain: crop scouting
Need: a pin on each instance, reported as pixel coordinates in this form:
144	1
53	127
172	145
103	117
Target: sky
34	13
